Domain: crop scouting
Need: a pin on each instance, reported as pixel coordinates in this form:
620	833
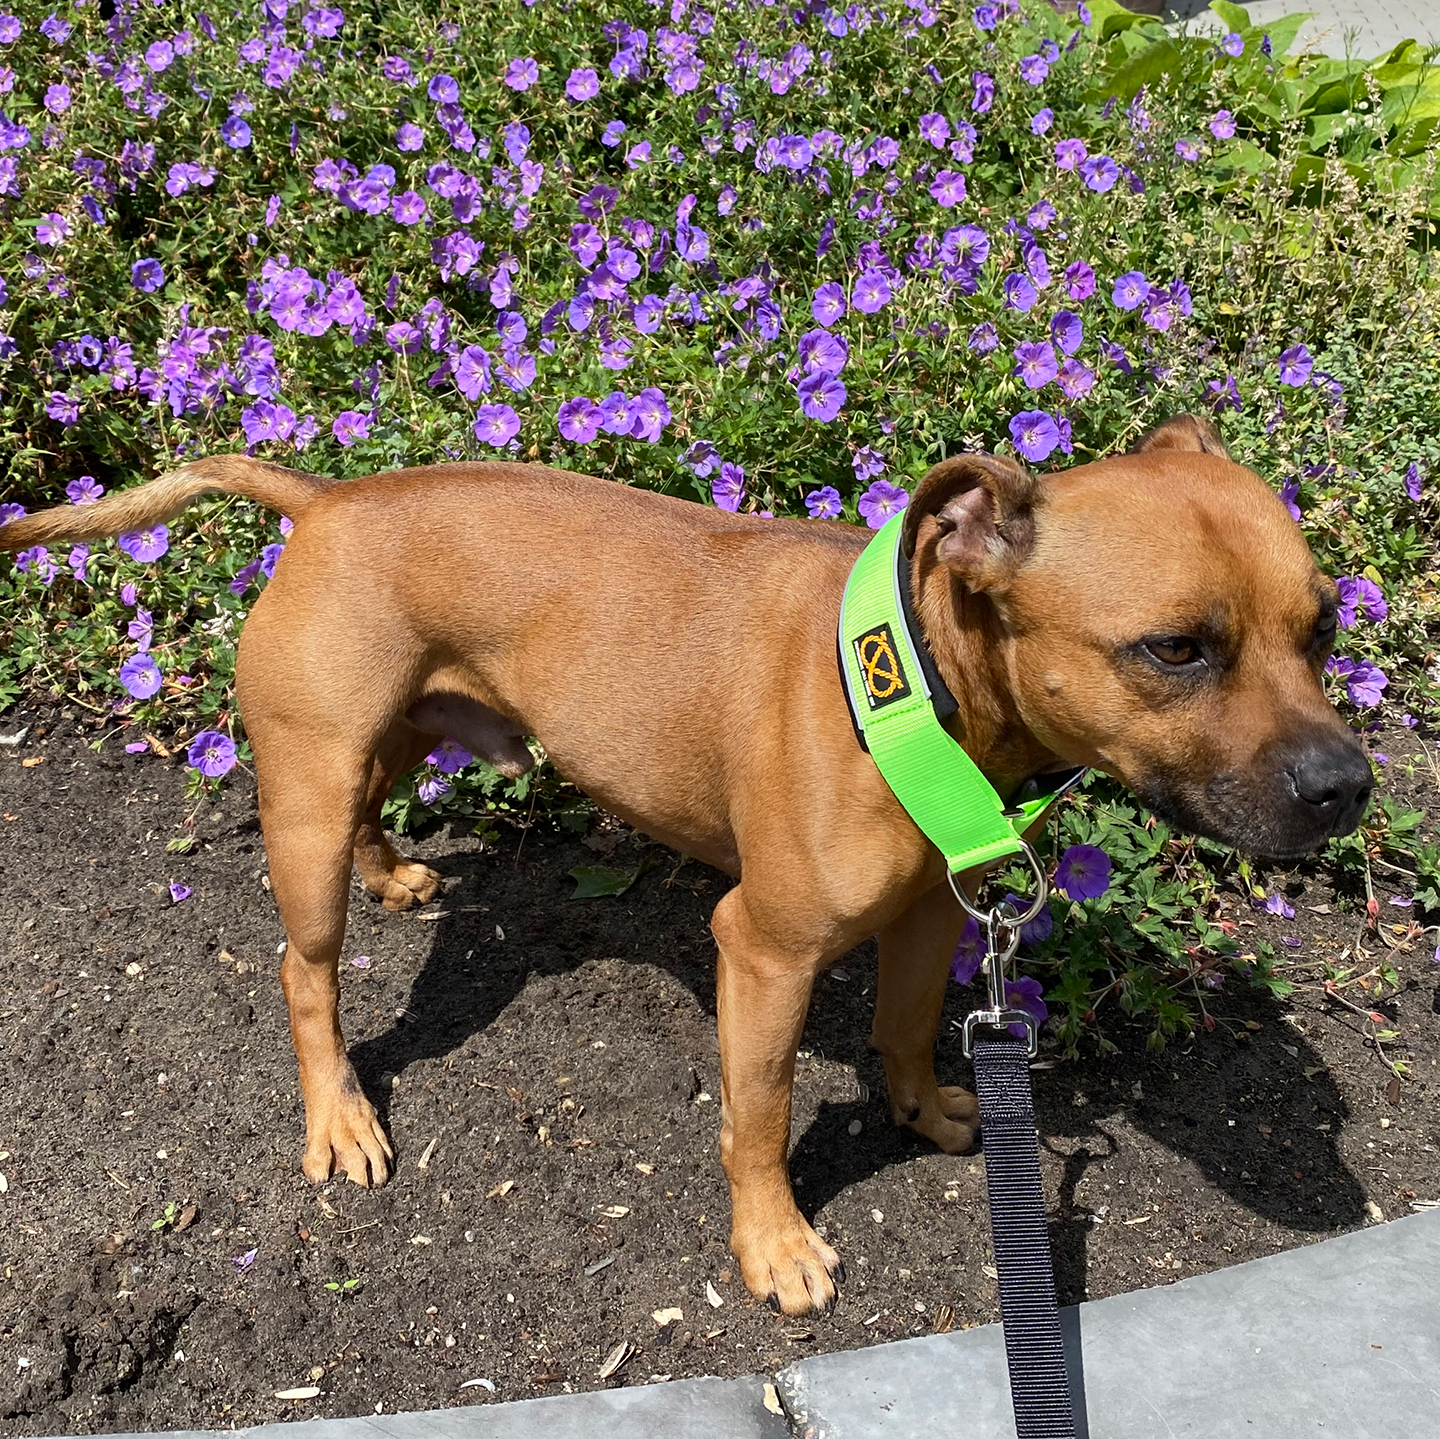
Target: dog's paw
346	1136
947	1116
787	1264
405	885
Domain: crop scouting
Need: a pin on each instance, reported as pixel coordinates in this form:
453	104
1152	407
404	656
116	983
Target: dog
1155	615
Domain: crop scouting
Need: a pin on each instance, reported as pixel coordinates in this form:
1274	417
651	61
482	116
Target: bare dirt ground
548	1071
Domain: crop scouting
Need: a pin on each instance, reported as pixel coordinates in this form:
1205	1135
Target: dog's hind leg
399	882
312	788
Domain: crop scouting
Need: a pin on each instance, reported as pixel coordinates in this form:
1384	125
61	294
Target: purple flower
1025	993
651	414
1412	482
431	790
727	489
1083	872
1067	331
179	893
146	545
1100	173
1069	154
212	753
824	503
579	420
828	306
1075	380
984	338
1187	150
1131	290
349	426
1033	69
1362	596
235	133
1275	904
1295	366
867	463
1363	681
449	756
986	17
1233	44
1035	434
821	350
408	208
53	229
496	425
63	406
147	275
521	74
444	89
1079	281
1020	294
1037	930
1289	492
1035	364
11	511
821	395
1041	121
948	189
612	133
57	99
140	676
880	502
970	952
582	85
935	128
1222	127
409	137
84	491
984	95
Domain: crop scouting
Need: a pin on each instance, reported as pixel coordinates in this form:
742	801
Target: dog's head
1163	621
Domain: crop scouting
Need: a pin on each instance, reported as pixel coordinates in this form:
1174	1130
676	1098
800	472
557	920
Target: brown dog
1156	615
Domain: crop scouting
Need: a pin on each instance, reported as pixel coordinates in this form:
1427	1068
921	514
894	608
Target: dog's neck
963	634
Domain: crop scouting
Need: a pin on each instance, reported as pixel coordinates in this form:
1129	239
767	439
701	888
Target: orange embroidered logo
885	680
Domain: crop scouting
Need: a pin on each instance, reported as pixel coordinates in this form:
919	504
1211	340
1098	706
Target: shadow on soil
1258	1115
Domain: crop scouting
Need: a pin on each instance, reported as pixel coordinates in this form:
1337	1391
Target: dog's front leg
915	953
762	994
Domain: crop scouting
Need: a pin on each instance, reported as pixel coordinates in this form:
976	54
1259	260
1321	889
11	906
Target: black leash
1039	1382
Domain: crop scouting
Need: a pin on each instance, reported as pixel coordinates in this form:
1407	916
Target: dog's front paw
784	1261
343	1133
944	1113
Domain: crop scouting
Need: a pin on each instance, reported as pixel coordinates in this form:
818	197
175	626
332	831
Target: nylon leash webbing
1034	1354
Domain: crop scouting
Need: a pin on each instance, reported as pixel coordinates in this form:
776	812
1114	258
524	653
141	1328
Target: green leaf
1109	18
1163	57
1283	32
596	881
1235	16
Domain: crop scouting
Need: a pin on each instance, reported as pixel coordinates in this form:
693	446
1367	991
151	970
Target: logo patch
880	665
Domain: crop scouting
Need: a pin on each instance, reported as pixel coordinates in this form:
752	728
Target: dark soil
556	1061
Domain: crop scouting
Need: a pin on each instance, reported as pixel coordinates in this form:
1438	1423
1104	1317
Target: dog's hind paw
947	1116
405	886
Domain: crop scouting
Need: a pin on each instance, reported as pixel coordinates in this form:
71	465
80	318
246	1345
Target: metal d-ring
989	916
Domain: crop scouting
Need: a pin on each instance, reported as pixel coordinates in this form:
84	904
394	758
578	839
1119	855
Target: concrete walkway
1373	27
1341	1338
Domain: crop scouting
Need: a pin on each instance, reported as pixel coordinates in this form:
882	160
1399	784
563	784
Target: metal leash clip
1002	932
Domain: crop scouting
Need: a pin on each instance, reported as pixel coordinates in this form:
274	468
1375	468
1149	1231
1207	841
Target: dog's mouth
1272	815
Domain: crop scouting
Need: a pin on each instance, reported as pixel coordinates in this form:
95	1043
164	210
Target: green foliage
1311	226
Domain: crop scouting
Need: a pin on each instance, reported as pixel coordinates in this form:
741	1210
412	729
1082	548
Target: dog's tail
288	491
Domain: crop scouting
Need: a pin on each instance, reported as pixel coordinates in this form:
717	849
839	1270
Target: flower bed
772	258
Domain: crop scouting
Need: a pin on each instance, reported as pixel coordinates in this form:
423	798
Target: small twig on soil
1372	1016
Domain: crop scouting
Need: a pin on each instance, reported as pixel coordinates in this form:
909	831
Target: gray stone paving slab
1378	26
1341	1337
685	1409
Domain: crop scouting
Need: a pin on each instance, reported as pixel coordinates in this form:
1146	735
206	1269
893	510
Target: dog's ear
982	511
1184	432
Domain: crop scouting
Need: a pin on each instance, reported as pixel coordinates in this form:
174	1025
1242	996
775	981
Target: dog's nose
1334	777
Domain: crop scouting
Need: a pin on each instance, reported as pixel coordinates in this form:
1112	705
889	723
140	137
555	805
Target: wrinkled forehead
1147	541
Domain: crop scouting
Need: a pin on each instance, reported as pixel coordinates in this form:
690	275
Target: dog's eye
1175	651
1324	631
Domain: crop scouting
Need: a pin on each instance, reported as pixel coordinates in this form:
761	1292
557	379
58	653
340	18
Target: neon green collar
897	699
